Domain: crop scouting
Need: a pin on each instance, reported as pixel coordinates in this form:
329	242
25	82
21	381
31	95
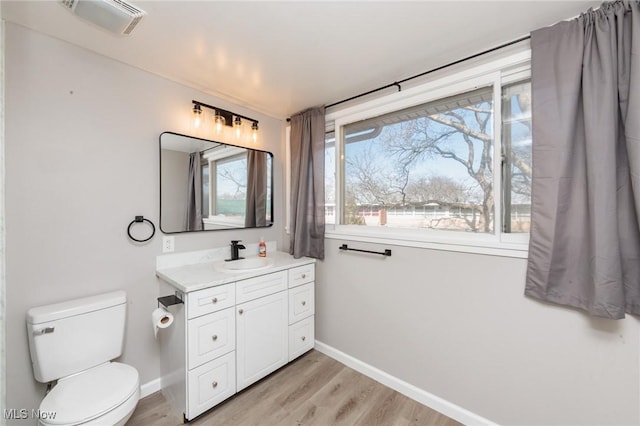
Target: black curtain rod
422	74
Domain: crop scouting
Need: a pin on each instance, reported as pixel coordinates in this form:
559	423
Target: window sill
486	246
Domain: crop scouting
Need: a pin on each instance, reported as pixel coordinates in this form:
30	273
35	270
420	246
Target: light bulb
197	116
254	131
237	124
219	122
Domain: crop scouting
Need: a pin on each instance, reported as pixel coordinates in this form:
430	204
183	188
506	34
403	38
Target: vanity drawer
260	286
301	275
211	299
211	336
301	302
211	384
301	337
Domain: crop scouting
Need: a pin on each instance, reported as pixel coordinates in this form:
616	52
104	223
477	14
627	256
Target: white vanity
234	327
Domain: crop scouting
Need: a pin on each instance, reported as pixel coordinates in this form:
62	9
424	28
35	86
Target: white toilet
74	342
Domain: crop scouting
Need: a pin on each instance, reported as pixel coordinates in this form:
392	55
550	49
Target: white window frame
213	219
508	69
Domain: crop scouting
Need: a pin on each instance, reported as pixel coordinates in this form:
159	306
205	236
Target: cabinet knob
241	311
304	276
214	300
304	338
304	303
214	384
214	337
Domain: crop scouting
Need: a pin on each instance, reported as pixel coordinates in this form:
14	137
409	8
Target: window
231	185
225	177
447	164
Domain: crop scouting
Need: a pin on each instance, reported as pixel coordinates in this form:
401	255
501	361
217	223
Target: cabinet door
210	384
301	275
301	337
262	337
210	336
301	302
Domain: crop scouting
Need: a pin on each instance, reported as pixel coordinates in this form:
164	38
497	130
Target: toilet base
116	417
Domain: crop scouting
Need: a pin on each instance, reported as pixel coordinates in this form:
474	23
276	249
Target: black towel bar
386	252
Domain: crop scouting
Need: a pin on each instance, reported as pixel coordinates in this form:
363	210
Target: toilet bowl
102	395
73	344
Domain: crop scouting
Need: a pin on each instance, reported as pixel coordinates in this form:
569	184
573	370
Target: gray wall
458	326
82	160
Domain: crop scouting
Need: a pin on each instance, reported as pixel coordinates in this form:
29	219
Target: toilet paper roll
161	318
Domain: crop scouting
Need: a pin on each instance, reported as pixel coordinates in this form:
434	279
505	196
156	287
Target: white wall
81	161
458	326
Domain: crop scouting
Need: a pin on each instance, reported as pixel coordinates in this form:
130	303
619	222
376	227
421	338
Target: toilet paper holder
167	301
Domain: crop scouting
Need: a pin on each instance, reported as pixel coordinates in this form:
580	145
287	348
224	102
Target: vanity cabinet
226	337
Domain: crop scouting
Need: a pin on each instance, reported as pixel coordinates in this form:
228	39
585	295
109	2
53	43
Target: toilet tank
69	337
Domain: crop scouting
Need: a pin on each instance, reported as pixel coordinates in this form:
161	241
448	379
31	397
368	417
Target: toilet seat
111	390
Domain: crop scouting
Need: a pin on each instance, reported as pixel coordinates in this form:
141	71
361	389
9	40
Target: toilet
74	342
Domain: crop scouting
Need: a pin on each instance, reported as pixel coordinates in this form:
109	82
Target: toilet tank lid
74	307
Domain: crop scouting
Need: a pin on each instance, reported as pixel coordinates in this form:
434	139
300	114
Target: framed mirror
208	186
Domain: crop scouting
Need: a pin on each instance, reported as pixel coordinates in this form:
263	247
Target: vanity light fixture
223	118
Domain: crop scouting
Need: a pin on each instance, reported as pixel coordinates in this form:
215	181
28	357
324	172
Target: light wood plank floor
313	390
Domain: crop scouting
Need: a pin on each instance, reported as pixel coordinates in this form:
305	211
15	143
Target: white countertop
197	276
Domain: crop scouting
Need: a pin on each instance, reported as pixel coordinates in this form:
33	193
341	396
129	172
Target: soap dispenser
262	248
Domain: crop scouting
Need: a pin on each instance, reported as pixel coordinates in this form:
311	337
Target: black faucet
235	248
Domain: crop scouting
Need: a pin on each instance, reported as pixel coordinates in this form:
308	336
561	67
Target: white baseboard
430	400
148	388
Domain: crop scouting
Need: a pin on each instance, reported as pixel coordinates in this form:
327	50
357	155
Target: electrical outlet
168	243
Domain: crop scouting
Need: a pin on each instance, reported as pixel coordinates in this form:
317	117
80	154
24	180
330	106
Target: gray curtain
256	205
585	237
307	184
193	218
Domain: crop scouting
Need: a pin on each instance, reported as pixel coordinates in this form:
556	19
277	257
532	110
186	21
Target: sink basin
250	264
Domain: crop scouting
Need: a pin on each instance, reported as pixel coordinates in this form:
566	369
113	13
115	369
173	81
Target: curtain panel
584	248
256	203
307	184
193	218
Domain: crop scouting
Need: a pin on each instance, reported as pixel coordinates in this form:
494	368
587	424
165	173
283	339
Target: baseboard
148	388
430	400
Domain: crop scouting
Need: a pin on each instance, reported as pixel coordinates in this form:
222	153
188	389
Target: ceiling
280	57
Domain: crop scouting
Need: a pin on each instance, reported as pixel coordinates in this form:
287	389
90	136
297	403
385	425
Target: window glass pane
516	133
428	166
231	186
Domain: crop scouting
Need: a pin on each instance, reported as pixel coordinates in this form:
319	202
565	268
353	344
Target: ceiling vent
115	16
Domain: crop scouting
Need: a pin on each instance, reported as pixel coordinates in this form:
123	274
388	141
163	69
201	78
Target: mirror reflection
207	185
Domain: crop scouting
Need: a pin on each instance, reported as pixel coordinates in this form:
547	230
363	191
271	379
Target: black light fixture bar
228	115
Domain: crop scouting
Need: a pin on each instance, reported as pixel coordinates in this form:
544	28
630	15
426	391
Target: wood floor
313	390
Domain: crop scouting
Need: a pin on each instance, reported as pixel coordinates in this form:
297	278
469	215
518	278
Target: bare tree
461	134
440	189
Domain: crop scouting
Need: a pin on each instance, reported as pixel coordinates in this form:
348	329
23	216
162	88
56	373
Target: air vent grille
128	7
116	16
132	25
67	3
